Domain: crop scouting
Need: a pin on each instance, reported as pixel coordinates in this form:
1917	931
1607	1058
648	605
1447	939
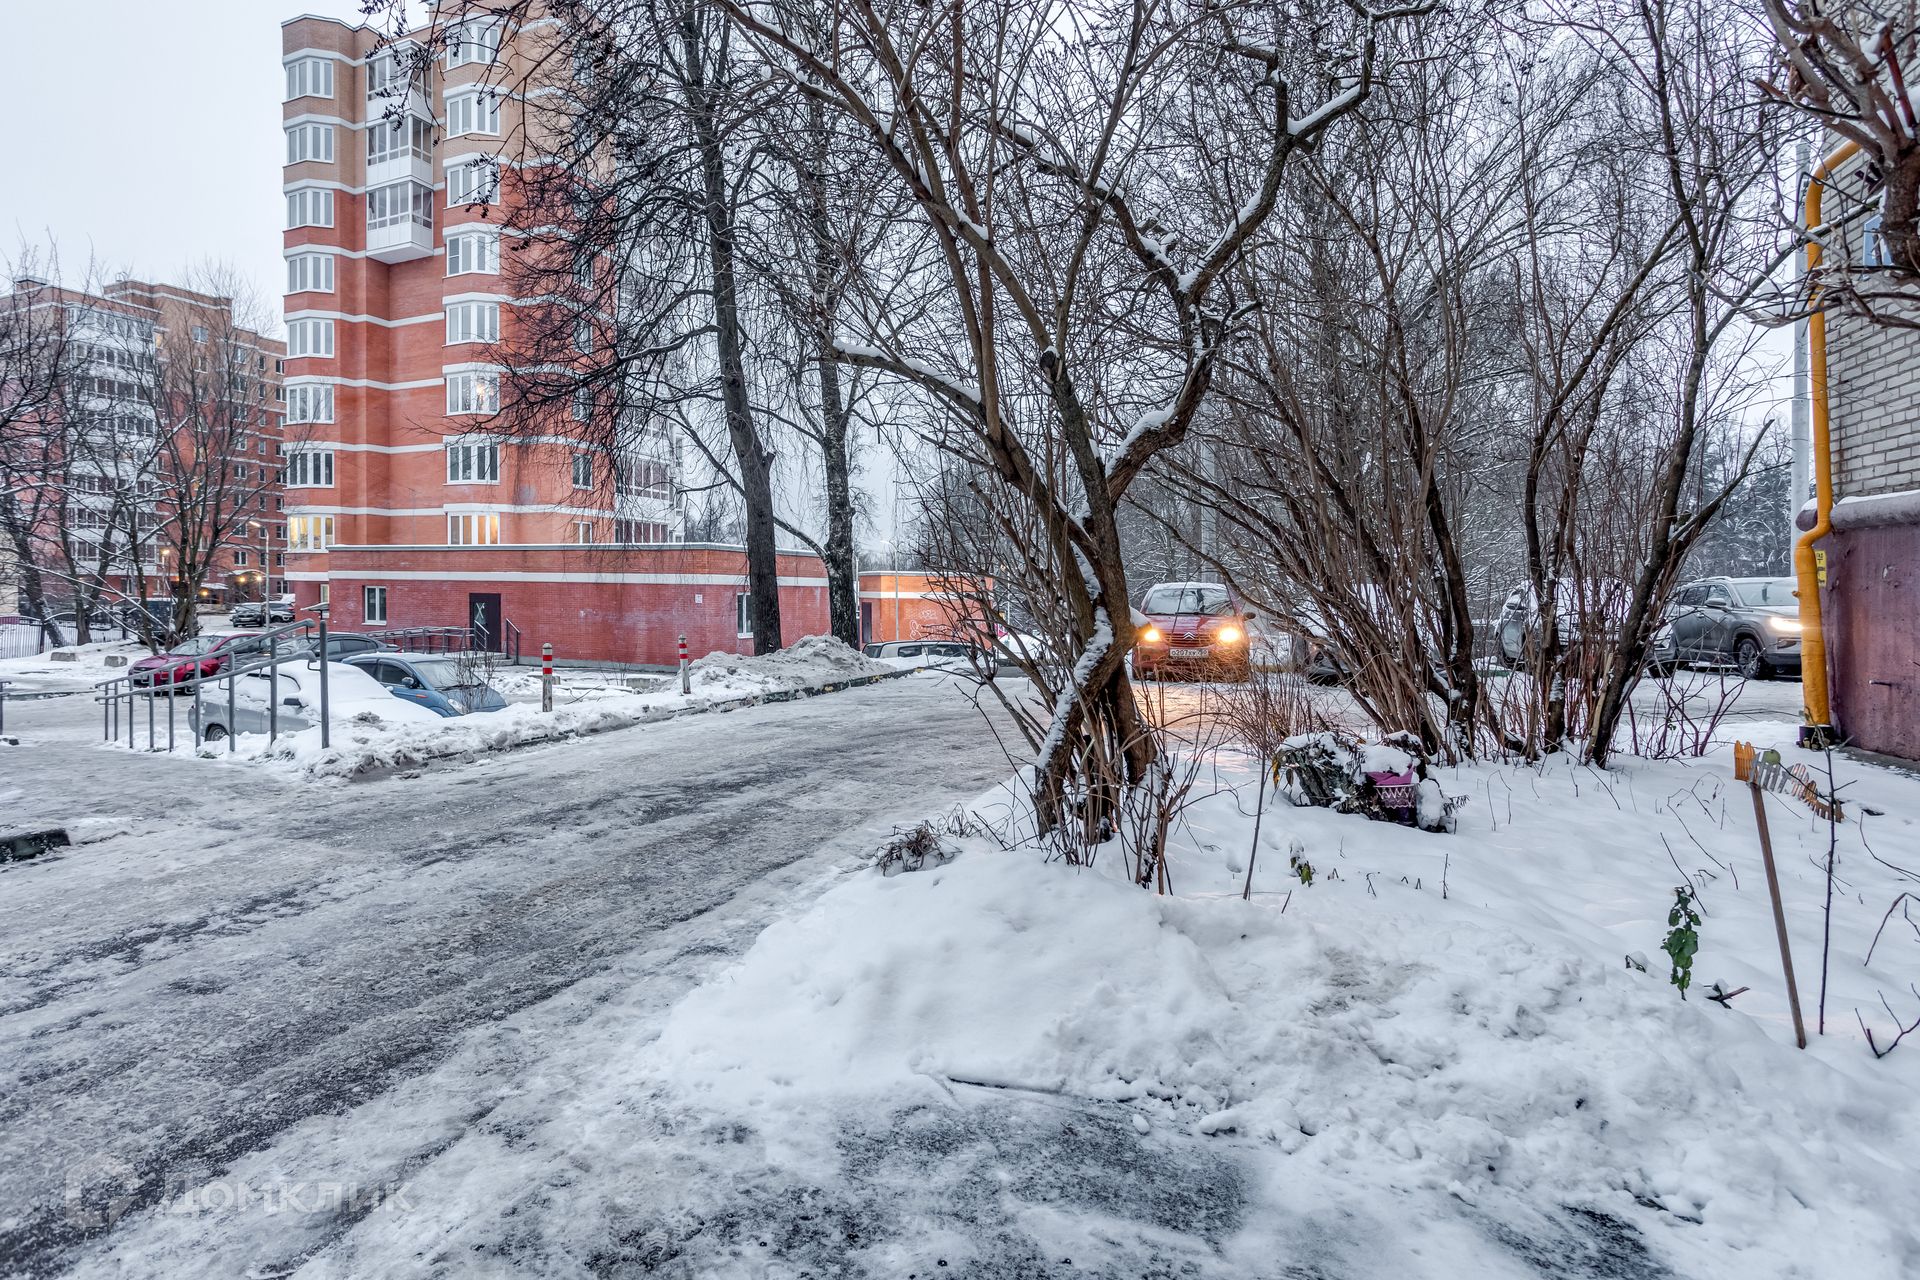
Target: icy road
229	962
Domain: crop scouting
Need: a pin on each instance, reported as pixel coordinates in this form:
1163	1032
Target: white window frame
473	322
309	142
583	335
473	528
310	532
310	339
307	468
583	471
582	407
473	462
742	616
309	402
310	273
473	112
473	392
389	140
309	207
477	40
473	253
583	533
373	605
473	181
309	78
392	204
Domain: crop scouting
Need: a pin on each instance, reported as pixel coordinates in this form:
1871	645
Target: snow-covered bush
1387	781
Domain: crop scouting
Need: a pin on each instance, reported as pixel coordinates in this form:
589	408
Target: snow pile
1462	1080
35	673
811	661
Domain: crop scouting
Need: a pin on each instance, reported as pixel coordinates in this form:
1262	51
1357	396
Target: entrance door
483	617
866	622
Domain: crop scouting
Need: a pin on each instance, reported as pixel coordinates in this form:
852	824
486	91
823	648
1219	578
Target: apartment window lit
310	142
742	615
475	111
583	532
398	202
373	606
309	207
473	463
310	78
473	529
309	402
309	533
309	338
473	392
472	182
476	40
309	468
473	252
310	273
473	322
398	139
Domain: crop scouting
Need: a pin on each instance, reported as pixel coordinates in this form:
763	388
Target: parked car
953	654
1579	606
342	645
439	682
260	613
198	656
350	692
1193	628
1751	623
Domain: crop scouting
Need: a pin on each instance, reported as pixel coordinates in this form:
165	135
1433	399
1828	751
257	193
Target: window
475	463
472	182
583	334
742	616
310	273
397	139
473	322
583	471
641	478
309	338
583	269
309	402
1873	243
386	76
239	559
310	78
473	252
473	392
625	530
473	529
477	40
309	533
373	604
475	111
583	532
582	404
309	468
309	207
310	142
398	202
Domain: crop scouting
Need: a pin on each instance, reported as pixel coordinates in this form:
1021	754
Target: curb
375	773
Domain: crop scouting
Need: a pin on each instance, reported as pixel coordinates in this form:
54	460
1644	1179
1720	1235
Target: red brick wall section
910	606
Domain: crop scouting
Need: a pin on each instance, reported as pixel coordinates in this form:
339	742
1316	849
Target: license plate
1195	651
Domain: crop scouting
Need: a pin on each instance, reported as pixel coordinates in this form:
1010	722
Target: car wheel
1747	659
213	733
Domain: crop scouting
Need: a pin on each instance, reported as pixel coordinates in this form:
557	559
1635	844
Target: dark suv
1751	623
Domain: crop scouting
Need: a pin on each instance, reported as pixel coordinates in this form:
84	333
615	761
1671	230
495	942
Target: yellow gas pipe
1813	638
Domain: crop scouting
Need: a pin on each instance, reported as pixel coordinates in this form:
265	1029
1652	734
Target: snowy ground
607	1008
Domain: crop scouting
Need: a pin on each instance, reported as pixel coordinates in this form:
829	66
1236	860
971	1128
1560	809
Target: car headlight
1230	635
1150	635
1785	626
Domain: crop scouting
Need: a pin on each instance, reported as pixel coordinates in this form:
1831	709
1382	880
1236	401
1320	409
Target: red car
200	656
1194	628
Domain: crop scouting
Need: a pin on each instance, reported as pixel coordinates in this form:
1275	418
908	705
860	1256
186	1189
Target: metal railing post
151	695
326	709
197	718
273	688
231	732
173	701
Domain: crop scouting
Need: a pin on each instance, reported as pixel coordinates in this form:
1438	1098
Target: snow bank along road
227	958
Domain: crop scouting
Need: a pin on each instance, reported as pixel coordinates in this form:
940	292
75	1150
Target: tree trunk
842	579
754	462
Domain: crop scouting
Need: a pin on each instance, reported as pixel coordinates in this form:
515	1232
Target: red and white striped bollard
546	677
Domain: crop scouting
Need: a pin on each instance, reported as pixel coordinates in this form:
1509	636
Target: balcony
400	241
405	167
400	221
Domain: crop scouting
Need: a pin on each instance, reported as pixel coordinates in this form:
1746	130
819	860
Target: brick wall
1874	397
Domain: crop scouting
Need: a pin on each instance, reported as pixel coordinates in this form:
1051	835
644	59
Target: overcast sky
145	135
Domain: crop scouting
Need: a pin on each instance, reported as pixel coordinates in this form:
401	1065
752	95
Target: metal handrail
112	692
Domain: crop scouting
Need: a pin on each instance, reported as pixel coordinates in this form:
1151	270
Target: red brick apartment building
117	401
403	510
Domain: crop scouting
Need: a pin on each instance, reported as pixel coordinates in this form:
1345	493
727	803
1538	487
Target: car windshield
1189	598
444	673
1765	593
